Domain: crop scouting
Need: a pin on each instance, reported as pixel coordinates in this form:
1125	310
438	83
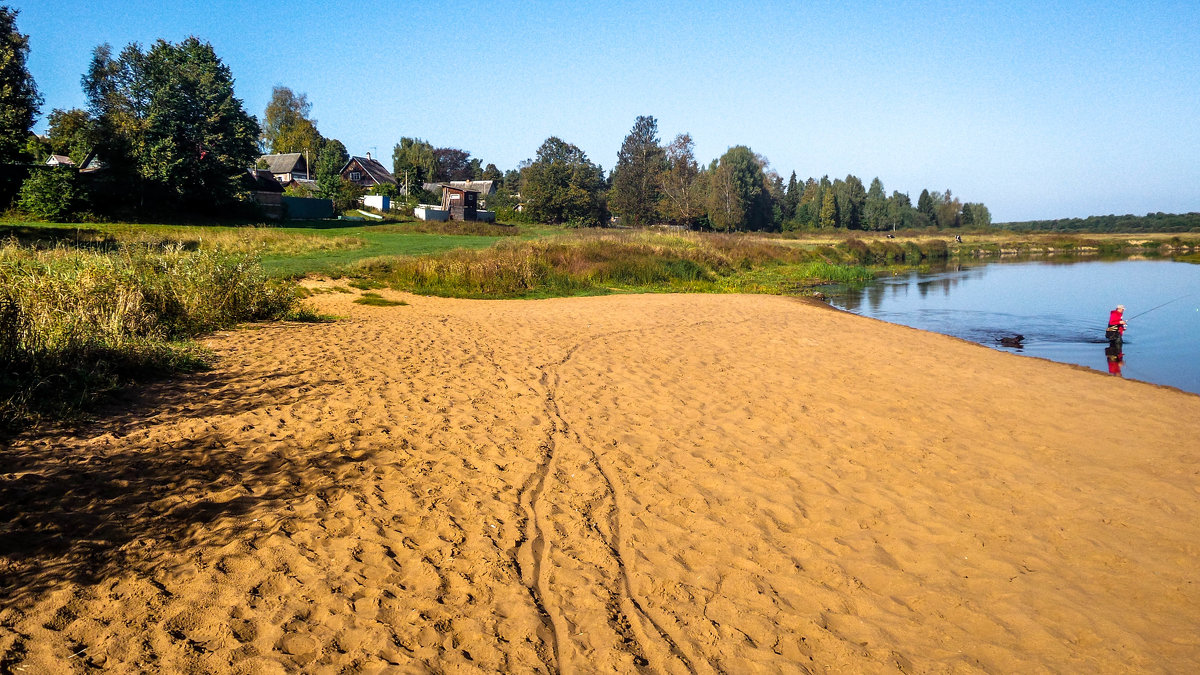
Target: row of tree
652	183
171	133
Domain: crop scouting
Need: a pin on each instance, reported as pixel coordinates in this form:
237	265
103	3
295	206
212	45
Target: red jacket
1114	319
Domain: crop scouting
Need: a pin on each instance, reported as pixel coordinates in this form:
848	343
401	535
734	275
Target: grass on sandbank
598	262
75	324
377	300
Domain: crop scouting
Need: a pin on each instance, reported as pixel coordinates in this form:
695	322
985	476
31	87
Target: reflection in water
1115	359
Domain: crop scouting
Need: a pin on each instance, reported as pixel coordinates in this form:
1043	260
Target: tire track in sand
563	563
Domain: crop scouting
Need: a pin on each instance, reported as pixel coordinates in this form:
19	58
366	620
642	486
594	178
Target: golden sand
656	483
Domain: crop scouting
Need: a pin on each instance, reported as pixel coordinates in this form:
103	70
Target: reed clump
596	262
76	323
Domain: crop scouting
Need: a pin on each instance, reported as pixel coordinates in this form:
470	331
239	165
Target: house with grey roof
59	160
367	172
287	167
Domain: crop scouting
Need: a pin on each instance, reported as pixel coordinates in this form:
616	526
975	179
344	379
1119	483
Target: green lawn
319	247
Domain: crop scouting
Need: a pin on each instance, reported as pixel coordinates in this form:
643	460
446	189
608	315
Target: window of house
355	175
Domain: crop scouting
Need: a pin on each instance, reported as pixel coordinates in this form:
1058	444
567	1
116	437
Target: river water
1061	309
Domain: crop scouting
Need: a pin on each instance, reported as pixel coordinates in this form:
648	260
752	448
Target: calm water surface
1060	308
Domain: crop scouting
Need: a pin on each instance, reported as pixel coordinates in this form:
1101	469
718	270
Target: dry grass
74	323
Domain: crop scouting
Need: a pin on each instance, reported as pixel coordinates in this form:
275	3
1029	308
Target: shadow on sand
79	504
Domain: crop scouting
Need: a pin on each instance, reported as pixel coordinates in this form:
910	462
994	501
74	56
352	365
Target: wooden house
367	172
462	204
287	167
59	160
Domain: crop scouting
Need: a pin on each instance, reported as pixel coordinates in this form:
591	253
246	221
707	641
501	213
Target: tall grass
600	262
75	323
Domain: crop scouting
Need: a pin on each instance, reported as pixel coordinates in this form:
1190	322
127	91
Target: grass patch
75	324
599	262
377	300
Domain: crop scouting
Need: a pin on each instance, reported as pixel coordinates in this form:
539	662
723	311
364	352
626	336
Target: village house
458	203
367	172
483	187
287	167
59	160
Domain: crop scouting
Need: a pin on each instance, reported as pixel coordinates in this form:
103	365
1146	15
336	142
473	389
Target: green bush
50	194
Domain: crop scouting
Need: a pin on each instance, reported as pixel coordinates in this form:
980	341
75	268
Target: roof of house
483	187
60	159
373	169
261	180
284	163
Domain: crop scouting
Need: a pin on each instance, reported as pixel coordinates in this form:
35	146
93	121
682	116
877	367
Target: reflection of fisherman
1115	360
1116	327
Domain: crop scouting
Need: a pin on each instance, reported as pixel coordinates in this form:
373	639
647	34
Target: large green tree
413	160
875	207
925	207
169	119
638	176
561	185
738	198
851	198
19	97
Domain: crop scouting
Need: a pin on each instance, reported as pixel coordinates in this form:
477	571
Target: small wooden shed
462	204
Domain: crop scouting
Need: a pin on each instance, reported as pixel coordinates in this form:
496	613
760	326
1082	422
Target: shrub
50	194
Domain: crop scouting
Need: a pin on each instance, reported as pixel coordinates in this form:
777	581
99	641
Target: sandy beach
636	483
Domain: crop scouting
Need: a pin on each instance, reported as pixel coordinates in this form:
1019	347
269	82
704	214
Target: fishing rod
1162	305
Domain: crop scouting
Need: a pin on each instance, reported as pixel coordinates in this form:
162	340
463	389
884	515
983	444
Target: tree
809	209
335	151
170	122
975	214
925	207
490	172
875	207
71	133
682	193
413	159
738	198
19	97
638	176
791	199
285	112
829	216
947	209
851	200
900	211
561	185
452	164
328	175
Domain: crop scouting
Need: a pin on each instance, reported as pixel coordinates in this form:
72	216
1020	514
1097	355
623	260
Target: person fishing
1116	327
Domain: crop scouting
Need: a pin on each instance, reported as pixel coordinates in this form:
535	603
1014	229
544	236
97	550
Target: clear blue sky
1039	110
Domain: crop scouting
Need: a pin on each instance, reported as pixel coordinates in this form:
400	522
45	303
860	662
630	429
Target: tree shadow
77	505
49	236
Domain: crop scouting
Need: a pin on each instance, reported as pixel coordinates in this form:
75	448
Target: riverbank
676	482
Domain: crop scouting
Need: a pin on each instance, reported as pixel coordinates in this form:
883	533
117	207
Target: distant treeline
1151	222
